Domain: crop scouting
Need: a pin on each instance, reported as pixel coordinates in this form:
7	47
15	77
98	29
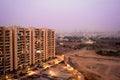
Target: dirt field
93	66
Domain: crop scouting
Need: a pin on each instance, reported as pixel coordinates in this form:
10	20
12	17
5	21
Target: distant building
6	52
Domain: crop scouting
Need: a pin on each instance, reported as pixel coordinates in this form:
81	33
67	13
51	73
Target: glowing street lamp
52	73
6	77
79	78
69	67
31	72
74	72
45	65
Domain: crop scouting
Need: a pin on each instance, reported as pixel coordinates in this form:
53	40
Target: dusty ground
93	66
58	72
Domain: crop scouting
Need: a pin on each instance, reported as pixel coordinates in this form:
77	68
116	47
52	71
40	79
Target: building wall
38	44
21	47
49	42
35	47
6	58
27	46
43	44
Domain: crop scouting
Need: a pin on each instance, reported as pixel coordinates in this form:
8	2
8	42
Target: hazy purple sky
62	15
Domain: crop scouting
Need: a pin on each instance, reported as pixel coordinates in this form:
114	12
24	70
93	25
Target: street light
31	73
68	65
79	78
52	73
46	65
6	77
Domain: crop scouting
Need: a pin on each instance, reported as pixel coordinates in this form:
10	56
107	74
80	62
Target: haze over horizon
62	15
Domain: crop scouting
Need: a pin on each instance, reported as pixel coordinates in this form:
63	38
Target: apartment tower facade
6	50
50	43
43	44
22	47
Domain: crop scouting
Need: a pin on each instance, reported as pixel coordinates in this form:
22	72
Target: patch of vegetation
109	53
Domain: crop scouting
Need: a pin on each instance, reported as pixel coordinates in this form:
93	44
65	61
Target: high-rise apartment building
43	44
50	43
35	45
6	57
22	46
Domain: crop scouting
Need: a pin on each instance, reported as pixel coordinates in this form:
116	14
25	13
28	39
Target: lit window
1	59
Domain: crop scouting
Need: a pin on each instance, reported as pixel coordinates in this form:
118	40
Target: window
1	59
